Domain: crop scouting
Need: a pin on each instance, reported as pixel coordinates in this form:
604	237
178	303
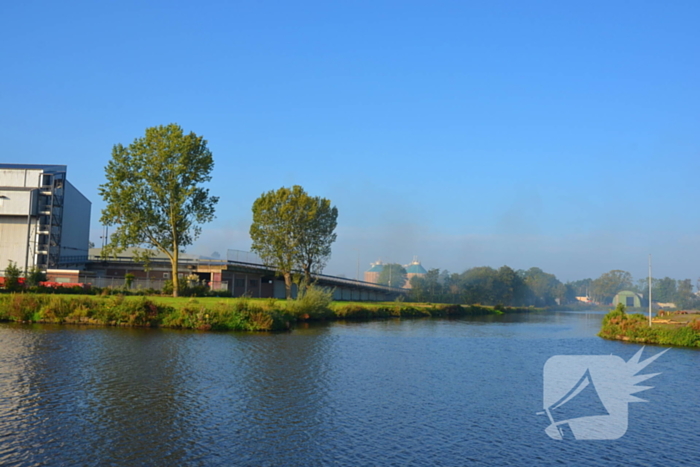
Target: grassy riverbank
212	313
671	329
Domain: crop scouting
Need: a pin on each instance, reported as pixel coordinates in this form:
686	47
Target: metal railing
240	256
141	284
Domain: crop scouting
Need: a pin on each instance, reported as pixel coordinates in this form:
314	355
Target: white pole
649	290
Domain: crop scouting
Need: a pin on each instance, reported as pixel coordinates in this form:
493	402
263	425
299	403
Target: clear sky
562	135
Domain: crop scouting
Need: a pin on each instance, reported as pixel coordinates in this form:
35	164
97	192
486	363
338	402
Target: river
399	392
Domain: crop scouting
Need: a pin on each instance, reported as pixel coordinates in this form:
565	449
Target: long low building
237	277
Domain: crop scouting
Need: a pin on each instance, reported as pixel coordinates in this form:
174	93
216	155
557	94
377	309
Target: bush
35	276
238	315
55	310
635	328
19	307
12	275
358	312
312	302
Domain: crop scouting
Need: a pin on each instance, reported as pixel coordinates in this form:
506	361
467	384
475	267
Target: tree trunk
307	276
176	279
288	284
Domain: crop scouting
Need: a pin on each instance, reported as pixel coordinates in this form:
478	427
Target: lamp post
649	290
357	276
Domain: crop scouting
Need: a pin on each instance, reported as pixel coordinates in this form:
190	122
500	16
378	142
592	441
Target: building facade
43	217
628	298
413	269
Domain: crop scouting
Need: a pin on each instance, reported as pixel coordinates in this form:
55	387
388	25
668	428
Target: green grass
619	325
216	313
118	310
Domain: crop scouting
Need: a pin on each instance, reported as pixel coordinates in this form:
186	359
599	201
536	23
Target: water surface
398	392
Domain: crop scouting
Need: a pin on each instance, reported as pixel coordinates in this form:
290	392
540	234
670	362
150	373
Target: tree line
489	286
535	287
665	290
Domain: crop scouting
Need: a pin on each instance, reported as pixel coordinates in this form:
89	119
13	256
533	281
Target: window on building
166	275
253	282
239	283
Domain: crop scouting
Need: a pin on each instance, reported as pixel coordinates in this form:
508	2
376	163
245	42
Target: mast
649	290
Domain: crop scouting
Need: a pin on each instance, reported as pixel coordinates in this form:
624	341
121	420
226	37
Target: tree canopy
292	230
504	286
393	275
607	285
153	193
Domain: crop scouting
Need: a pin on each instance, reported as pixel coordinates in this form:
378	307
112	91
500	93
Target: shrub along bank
238	314
620	325
117	310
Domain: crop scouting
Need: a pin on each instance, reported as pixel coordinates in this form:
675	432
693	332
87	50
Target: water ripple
422	392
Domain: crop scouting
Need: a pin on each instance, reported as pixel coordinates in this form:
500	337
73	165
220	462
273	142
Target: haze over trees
154	193
392	275
293	231
667	290
504	286
489	286
604	288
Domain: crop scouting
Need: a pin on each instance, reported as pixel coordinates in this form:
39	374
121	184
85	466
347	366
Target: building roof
415	268
44	167
376	267
628	293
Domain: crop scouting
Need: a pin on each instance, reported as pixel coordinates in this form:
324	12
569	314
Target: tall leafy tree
685	297
154	193
317	234
581	288
510	288
607	285
544	287
419	290
292	230
478	285
393	275
664	290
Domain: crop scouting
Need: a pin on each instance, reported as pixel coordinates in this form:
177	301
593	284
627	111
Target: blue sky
562	135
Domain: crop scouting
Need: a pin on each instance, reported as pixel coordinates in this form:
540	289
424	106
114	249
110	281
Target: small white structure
43	218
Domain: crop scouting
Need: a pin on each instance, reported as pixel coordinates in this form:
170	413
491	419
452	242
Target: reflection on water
396	392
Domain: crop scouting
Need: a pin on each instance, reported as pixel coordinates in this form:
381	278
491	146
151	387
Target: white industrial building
43	218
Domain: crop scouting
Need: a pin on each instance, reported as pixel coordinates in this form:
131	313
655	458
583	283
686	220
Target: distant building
242	276
372	274
412	269
43	218
628	298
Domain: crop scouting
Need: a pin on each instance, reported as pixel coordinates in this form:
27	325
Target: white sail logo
586	396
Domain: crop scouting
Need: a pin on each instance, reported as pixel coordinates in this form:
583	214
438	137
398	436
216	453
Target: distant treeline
666	290
535	287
